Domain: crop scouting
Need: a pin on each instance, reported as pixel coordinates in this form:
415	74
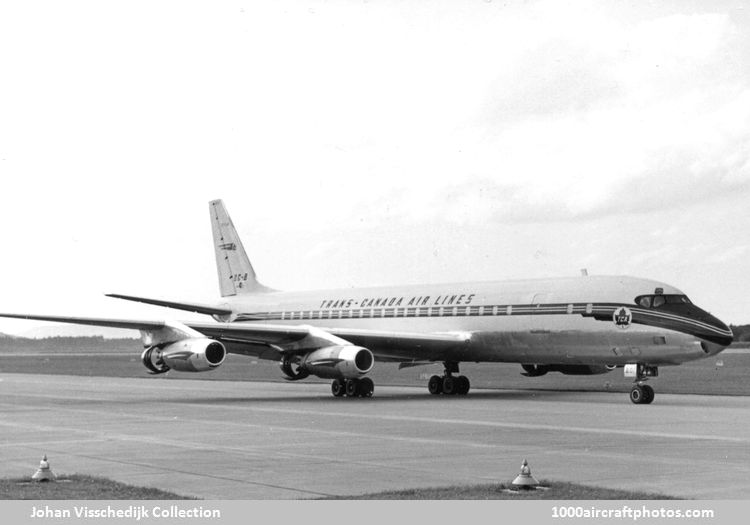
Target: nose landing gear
449	384
641	393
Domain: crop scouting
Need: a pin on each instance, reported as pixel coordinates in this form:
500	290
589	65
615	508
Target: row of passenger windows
424	312
388	312
657	301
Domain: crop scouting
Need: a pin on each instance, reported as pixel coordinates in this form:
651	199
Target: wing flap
406	346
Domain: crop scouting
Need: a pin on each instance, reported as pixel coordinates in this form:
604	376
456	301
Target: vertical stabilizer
236	274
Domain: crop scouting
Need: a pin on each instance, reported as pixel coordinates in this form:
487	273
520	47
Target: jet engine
571	370
187	355
331	362
343	362
151	358
291	367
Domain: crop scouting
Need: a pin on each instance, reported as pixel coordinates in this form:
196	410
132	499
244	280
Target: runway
252	440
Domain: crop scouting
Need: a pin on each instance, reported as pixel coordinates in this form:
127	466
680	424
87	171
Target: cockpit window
657	301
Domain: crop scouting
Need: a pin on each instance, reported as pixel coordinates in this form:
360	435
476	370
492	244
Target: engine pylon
525	480
44	473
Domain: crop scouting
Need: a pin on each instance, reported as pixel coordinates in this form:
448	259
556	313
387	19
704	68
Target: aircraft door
536	324
536	318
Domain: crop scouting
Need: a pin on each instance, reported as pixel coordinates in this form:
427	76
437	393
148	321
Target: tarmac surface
253	440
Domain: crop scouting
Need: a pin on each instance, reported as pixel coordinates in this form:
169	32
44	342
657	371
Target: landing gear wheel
639	395
648	394
338	388
366	387
435	385
352	387
449	385
462	385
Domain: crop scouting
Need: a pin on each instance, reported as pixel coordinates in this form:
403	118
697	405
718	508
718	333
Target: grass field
725	374
79	487
553	490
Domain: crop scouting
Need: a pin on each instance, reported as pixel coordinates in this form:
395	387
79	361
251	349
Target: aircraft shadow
328	400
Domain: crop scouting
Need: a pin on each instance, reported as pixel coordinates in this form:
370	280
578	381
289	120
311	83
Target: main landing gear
447	383
641	393
353	387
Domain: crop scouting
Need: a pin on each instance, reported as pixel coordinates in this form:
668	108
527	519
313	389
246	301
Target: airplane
573	325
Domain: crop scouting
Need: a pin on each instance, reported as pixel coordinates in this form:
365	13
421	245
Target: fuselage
609	320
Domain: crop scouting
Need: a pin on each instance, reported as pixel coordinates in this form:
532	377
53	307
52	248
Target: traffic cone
525	480
43	473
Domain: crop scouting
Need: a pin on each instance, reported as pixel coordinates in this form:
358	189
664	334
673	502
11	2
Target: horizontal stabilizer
189	307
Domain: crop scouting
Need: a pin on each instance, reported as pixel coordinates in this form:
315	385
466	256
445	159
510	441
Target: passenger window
645	301
658	301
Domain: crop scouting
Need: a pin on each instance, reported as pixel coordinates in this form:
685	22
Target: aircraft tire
462	385
648	394
338	388
435	385
366	387
637	395
352	387
449	385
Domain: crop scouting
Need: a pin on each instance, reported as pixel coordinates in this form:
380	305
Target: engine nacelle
338	362
571	370
151	358
187	355
291	367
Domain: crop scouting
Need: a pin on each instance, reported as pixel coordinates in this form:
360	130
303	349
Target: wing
190	307
268	341
385	345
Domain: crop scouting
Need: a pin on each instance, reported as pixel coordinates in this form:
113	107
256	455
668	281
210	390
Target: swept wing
189	307
270	341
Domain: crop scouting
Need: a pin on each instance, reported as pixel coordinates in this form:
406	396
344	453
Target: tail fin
236	274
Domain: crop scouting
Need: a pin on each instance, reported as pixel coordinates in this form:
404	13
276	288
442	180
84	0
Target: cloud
599	115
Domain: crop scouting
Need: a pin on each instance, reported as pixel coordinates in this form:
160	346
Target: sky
370	143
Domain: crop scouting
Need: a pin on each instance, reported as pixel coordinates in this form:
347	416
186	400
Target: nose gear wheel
641	393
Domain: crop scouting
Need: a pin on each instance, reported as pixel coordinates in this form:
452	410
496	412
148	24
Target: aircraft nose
722	336
712	348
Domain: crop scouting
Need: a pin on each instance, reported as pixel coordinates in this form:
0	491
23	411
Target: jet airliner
578	326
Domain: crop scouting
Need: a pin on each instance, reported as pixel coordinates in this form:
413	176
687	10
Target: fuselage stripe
585	309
